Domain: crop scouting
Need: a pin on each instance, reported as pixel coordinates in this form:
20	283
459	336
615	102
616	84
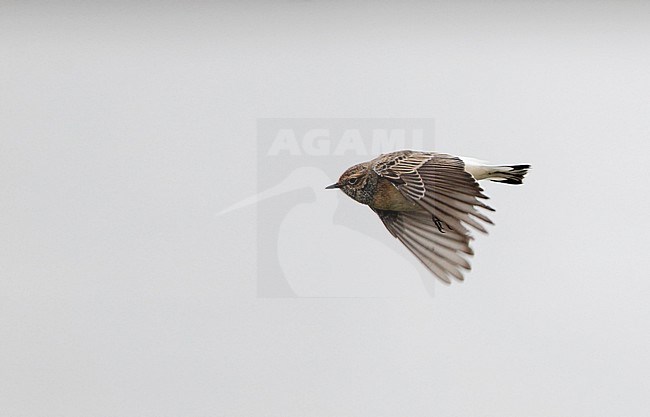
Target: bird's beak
335	185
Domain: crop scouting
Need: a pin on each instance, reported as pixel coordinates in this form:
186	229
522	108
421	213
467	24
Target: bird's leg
438	224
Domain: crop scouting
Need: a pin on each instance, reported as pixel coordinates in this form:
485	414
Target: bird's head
355	182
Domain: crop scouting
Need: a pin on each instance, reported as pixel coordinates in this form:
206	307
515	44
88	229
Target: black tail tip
524	167
514	175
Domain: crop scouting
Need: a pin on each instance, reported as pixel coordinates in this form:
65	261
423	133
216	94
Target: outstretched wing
439	184
442	253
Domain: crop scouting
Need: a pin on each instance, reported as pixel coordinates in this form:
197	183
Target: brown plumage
426	200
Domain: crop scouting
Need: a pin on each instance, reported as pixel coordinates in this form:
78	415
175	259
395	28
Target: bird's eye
353	180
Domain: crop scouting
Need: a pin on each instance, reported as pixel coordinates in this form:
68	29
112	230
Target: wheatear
425	199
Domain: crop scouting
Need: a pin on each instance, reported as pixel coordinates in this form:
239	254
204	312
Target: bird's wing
439	184
442	253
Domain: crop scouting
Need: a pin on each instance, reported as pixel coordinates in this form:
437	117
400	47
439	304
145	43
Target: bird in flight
427	200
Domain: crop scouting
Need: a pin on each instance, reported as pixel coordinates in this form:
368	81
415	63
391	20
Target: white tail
508	174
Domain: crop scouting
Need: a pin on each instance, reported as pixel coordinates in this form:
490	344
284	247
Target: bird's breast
388	197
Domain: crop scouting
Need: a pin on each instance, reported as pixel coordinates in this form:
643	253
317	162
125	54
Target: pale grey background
126	126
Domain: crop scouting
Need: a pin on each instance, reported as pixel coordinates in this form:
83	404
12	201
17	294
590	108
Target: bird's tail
507	174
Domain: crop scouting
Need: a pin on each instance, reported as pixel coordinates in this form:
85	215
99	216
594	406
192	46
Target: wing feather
439	252
439	184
